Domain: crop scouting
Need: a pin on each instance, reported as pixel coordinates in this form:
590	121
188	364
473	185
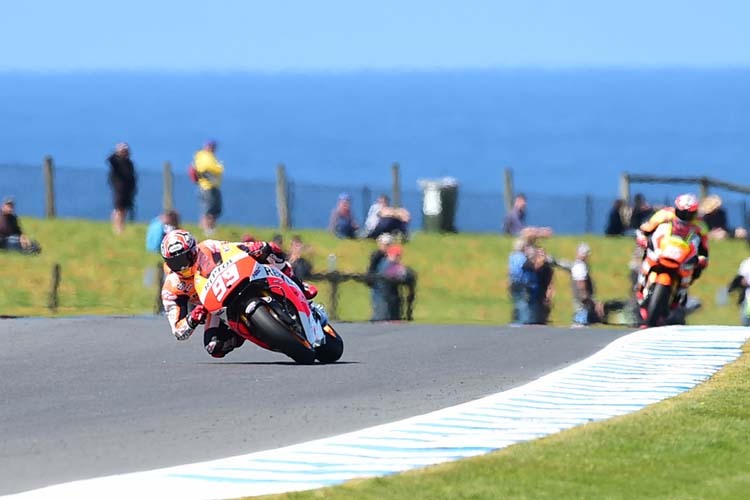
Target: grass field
461	278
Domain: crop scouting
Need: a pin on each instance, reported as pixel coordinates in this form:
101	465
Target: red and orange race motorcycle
263	305
671	266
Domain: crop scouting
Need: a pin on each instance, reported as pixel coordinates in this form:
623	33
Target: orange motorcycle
263	305
671	268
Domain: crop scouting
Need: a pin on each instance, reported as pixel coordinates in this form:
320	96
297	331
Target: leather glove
266	252
197	316
641	239
259	250
183	335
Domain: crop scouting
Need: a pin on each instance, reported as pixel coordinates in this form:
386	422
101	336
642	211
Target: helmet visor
686	215
181	262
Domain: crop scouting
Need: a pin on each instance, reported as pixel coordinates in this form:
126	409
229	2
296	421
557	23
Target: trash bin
439	204
432	207
449	200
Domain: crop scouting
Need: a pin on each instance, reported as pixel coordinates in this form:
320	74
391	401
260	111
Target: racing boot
319	312
310	290
680	298
640	285
219	348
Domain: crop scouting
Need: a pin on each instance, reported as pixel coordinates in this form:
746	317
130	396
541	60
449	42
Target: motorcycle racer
681	221
184	311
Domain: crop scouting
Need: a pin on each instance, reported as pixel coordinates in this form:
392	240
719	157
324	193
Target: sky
344	35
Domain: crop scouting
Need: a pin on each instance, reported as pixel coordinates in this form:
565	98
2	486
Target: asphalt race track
88	397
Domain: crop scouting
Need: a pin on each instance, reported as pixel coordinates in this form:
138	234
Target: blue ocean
566	134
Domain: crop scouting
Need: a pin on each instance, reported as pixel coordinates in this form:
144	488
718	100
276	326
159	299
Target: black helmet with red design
179	251
686	207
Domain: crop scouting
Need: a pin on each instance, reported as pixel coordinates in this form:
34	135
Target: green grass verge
462	278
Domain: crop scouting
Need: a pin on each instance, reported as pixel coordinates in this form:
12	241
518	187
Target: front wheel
268	328
331	351
658	304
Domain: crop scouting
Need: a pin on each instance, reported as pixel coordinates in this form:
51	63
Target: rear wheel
658	304
331	351
267	327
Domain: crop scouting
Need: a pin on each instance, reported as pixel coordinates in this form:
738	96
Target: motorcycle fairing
234	267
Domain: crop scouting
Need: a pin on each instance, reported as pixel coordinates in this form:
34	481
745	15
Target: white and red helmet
179	251
686	207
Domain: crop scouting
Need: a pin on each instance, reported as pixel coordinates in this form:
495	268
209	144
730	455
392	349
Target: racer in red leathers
181	304
679	221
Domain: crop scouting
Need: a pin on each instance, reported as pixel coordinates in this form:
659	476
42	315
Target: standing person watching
515	220
587	311
122	180
210	172
379	306
518	283
741	283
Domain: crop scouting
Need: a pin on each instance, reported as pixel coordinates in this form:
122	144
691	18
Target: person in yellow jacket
209	171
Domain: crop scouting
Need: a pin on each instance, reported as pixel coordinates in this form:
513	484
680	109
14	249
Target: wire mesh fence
84	193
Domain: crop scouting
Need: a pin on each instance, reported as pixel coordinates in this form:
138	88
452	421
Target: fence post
396	174
52	299
625	187
282	201
589	215
704	187
508	189
49	183
366	200
168	182
333	304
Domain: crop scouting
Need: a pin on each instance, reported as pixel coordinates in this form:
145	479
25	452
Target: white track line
630	373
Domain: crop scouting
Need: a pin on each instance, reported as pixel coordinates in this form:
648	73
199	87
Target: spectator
122	180
587	310
389	274
247	238
160	226
741	283
615	225
715	217
278	239
518	283
383	218
640	213
297	258
384	242
540	289
11	235
515	220
342	223
210	172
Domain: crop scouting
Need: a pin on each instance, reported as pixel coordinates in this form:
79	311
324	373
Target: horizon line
374	70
